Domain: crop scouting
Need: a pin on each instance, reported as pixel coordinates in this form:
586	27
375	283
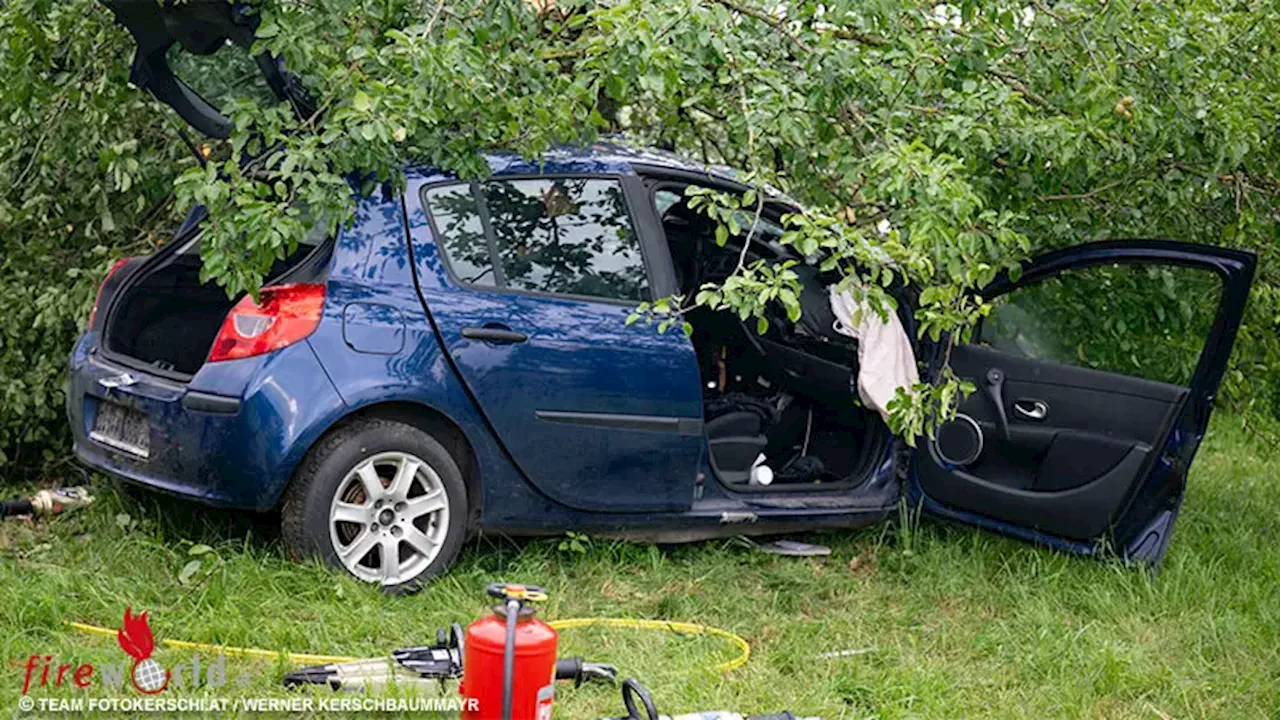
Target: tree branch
1082	196
1019	86
767	19
434	16
845	33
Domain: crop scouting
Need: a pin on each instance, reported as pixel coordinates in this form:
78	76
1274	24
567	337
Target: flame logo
135	636
136	640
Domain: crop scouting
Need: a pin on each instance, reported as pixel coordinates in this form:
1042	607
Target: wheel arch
429	420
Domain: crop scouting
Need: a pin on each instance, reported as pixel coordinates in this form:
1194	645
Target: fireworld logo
145	674
137	642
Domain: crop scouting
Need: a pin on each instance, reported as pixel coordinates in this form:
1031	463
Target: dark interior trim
1079	513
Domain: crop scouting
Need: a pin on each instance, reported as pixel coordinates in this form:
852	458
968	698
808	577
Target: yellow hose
669	626
299	658
559	625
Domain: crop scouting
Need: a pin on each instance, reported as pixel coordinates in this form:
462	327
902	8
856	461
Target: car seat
737	432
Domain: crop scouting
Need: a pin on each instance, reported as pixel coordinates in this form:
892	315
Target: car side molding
652	423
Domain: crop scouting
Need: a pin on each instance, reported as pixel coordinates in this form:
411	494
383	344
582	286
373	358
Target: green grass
950	622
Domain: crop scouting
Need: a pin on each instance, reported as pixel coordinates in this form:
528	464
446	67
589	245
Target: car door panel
551	397
1075	456
1032	457
1087	400
1078	513
596	414
1065	474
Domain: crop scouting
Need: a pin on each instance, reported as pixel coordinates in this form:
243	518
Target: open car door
201	27
1096	374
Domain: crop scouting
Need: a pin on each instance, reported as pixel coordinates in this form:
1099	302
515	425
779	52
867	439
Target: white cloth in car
886	360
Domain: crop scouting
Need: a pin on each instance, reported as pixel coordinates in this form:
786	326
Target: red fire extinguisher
509	664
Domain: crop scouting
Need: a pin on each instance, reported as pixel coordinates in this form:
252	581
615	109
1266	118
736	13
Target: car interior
782	400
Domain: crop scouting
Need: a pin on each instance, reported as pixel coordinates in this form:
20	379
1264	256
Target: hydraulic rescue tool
423	666
47	503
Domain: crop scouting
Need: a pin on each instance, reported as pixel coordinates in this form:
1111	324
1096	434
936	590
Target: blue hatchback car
457	360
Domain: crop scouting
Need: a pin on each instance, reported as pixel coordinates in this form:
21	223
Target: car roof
606	156
610	157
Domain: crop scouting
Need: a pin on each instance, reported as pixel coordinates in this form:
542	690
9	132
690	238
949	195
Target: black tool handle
631	689
569	668
17	507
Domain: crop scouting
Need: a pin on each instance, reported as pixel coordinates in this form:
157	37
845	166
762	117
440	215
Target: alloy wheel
389	518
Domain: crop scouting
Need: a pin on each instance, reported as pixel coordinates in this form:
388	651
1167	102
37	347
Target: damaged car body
458	360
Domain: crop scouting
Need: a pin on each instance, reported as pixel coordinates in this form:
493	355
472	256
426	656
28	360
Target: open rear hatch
201	27
160	317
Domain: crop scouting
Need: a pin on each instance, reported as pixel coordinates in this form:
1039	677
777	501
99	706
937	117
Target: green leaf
188	571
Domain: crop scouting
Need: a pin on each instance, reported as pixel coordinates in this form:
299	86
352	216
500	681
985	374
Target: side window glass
460	233
1147	321
664	200
570	236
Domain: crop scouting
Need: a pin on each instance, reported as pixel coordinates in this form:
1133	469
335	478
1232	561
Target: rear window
563	236
193	235
227	74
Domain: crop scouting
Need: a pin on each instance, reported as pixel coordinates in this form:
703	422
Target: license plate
122	428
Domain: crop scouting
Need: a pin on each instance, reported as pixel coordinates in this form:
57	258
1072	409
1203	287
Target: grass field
947	622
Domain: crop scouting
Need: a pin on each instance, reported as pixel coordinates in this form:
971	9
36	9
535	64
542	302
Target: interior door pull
494	334
1031	409
995	392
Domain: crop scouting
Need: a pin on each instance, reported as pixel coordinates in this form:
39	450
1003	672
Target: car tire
373	487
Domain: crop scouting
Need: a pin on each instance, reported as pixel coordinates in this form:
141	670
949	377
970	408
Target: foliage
203	563
1146	321
86	175
932	144
574	542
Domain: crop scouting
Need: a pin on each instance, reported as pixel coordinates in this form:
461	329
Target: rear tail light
284	315
97	299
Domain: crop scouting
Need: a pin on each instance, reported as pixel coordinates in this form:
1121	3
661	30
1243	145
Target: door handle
494	333
1029	409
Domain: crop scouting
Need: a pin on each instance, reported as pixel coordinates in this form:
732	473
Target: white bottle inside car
761	474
